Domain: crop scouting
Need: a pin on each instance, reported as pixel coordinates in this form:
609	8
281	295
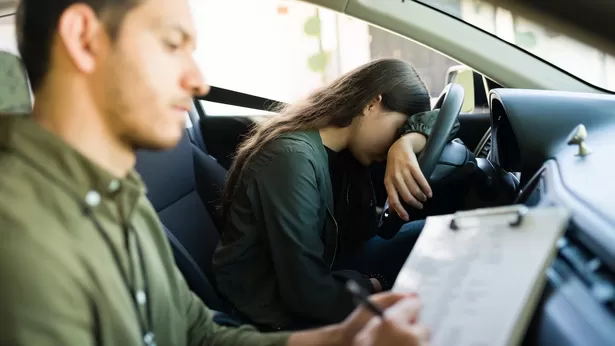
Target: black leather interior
454	156
194	276
222	134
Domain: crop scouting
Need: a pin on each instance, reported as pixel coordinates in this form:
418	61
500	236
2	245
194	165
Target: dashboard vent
531	195
486	149
599	279
484	146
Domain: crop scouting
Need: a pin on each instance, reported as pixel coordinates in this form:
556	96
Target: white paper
478	284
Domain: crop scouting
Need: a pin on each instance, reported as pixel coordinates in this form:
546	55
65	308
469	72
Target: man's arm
42	301
203	331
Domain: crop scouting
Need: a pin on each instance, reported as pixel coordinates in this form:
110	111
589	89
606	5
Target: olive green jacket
59	283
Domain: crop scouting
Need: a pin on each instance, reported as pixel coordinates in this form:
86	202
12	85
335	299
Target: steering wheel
450	102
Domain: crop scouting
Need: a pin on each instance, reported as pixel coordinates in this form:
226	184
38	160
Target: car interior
524	148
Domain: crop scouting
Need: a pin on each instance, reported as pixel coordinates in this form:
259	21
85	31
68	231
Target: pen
361	297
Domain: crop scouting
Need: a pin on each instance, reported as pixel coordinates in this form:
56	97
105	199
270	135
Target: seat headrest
14	86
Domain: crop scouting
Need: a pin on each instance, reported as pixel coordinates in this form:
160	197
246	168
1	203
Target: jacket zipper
372	199
348	195
336	238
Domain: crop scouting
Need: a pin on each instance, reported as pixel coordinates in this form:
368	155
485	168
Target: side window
8	40
282	50
15	94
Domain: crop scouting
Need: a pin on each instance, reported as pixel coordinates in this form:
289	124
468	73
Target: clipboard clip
518	211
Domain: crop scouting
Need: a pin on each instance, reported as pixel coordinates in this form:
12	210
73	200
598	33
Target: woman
299	207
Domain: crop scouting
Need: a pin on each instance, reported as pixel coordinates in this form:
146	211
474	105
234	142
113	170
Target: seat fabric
183	185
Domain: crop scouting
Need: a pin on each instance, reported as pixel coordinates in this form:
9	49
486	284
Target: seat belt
194	129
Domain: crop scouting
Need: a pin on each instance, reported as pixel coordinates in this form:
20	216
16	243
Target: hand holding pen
393	318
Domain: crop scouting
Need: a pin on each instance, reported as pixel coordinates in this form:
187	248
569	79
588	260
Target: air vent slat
599	280
486	148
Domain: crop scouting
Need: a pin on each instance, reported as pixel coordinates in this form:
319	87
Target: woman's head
371	102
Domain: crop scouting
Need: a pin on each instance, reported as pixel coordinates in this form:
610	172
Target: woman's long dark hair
336	104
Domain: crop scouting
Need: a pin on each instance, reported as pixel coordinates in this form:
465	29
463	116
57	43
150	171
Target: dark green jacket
59	283
281	238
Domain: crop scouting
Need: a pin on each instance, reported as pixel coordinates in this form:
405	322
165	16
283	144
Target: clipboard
480	273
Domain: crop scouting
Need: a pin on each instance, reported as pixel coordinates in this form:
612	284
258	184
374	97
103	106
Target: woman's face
372	134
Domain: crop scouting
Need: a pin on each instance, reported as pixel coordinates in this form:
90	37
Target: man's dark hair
37	22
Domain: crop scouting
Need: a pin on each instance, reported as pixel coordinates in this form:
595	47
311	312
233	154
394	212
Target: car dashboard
529	134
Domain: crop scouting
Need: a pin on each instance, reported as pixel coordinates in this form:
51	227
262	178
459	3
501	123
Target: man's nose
195	83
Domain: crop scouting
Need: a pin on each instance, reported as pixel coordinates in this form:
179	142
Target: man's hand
397	328
362	328
401	314
403	175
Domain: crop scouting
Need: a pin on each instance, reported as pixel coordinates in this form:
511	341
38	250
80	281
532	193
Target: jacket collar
313	139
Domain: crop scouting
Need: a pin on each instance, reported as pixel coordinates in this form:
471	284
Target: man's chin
159	143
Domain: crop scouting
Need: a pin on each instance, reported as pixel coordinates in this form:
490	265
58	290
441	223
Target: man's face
145	84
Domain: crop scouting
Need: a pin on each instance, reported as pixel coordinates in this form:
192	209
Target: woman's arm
403	177
423	123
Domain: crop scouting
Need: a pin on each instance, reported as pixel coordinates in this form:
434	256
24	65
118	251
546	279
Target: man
83	259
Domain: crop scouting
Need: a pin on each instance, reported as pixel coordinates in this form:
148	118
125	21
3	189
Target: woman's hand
403	176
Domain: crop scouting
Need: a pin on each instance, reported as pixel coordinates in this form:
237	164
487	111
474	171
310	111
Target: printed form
480	273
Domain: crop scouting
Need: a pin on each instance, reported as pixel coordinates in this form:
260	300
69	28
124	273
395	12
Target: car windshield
579	59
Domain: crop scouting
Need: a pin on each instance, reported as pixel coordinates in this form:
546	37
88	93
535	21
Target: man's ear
82	35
